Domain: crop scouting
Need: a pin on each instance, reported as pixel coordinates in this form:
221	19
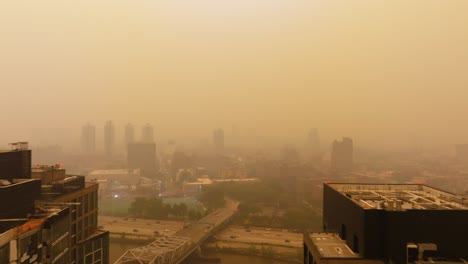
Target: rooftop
42	168
200	181
114	172
330	245
400	197
12	228
14	182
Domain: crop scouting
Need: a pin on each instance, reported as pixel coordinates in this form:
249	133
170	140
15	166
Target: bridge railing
174	249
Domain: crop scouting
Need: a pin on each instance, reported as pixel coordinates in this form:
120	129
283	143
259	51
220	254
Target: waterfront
117	249
236	259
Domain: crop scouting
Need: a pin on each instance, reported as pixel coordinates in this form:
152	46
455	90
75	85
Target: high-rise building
88	139
41	235
18	196
218	141
147	134
179	161
313	140
16	163
289	154
129	134
49	217
398	223
141	155
342	156
109	139
88	244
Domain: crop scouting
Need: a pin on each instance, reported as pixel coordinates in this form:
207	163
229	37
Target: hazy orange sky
387	73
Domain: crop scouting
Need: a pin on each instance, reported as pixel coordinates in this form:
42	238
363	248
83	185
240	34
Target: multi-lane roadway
145	227
199	230
260	236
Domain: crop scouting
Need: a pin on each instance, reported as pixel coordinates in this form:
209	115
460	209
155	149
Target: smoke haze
387	73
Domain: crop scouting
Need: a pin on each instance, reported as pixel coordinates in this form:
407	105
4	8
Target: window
305	253
79	208
343	232
355	244
86	204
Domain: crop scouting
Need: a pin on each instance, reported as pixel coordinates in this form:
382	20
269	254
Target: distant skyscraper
147	134
142	156
289	154
218	141
88	139
129	134
313	140
342	155
109	139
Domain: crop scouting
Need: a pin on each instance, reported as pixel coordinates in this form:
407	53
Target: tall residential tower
129	134
147	134
109	139
342	156
88	139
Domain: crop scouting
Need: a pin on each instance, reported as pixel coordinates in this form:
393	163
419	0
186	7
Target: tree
194	215
155	207
183	209
213	197
137	207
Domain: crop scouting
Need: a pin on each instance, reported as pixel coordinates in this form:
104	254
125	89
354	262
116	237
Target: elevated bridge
174	249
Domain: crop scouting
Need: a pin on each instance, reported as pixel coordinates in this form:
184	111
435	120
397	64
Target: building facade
43	238
147	134
342	156
383	221
16	162
129	134
49	217
82	197
109	139
88	139
141	155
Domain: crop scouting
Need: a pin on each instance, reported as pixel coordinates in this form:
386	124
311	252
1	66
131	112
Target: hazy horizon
389	74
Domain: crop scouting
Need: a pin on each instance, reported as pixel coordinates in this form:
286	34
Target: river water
236	259
117	249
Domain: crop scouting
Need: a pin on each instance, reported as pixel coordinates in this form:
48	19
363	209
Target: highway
260	236
174	249
118	225
203	227
196	231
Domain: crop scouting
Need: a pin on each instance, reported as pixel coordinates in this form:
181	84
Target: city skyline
180	131
370	70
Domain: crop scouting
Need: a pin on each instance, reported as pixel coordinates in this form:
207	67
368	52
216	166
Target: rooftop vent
22	145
